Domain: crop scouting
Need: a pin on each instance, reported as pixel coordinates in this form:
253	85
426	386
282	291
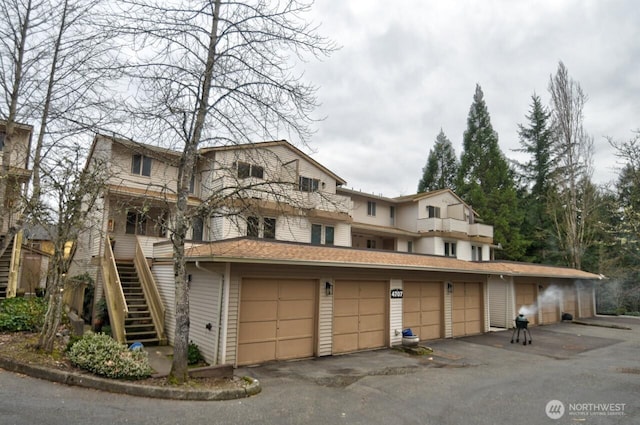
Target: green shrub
194	356
22	314
102	355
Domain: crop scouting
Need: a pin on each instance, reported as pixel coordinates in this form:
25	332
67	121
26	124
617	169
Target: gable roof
245	250
284	143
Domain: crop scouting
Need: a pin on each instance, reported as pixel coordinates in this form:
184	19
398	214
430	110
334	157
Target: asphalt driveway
476	381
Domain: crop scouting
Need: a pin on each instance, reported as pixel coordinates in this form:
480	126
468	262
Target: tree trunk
179	372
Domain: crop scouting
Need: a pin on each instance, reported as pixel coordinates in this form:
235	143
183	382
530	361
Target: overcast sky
408	68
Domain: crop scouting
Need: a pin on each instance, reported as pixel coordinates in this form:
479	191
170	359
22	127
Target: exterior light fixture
328	288
449	288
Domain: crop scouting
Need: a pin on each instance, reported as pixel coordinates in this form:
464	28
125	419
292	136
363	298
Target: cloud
408	69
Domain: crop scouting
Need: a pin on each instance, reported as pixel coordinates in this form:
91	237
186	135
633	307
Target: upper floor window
307	184
2	136
371	208
246	170
433	212
141	165
316	234
476	253
269	228
261	228
450	249
410	246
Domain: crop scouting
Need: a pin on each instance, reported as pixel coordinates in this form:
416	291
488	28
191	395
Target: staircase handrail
151	293
116	303
14	265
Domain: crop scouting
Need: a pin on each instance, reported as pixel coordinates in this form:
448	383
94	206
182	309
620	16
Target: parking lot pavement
545	341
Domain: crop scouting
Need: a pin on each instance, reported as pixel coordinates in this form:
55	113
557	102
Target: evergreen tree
486	183
536	141
442	166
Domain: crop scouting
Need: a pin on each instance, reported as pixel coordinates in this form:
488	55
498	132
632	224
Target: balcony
450	225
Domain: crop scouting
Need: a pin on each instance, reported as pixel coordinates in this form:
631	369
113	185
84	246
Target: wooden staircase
5	267
138	324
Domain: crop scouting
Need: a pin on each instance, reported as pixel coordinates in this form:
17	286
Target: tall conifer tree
486	182
537	142
441	169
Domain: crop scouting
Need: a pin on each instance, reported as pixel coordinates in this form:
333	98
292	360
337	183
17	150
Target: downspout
222	279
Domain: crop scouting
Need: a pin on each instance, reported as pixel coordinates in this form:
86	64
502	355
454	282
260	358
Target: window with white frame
450	249
308	184
246	170
261	227
141	165
433	212
409	246
317	234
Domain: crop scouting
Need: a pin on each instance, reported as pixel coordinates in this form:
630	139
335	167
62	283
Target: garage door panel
430	332
258	331
372	322
467	308
296	290
296	308
359	315
259	290
429	299
295	328
411	289
374	290
410	304
370	339
471	314
346	289
371	306
430	317
526	296
431	304
473	327
295	348
346	324
253	311
411	319
345	343
346	307
457	315
277	320
256	352
458	329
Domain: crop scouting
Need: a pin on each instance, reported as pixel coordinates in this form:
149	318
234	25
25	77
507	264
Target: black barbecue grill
522	324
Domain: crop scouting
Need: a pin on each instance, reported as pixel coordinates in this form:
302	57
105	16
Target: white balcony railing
452	225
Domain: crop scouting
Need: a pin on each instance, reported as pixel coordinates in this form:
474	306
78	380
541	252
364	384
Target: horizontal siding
164	277
204	308
395	315
448	312
232	319
325	320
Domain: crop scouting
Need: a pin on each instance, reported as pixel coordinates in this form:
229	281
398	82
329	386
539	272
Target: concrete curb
130	388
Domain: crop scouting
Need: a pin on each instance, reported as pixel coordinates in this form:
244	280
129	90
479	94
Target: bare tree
72	193
55	63
573	197
216	73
